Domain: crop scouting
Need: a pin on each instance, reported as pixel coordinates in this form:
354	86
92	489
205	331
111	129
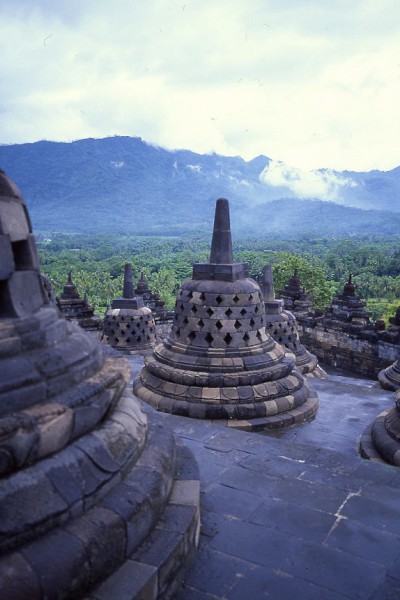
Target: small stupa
77	309
218	361
282	326
128	324
295	297
348	307
152	300
381	440
78	459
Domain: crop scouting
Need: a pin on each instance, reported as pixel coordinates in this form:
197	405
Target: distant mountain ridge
124	184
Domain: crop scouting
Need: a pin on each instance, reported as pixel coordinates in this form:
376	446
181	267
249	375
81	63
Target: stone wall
361	351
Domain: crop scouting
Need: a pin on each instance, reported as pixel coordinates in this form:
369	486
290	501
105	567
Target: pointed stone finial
128	283
268	284
70	277
349	287
221	245
295	273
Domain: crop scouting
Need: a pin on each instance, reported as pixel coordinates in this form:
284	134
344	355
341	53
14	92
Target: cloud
313	84
325	185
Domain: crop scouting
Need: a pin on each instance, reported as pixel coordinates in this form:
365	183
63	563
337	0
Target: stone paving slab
283	519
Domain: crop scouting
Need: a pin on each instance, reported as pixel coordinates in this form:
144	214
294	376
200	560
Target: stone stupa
77	309
282	327
128	324
88	490
218	362
389	378
348	307
295	297
152	300
381	440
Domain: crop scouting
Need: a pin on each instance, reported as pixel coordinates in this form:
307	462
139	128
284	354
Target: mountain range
123	184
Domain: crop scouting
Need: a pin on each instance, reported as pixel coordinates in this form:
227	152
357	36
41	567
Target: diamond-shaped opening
243	312
228	312
113	317
228	339
246	337
138	325
251	297
185	321
280	325
218	299
237	324
116	340
275	332
181	308
209	339
258	335
194	309
190	294
122	318
252	321
280	340
256	309
128	340
123	333
131	319
178	332
200	323
269	325
218	325
210	312
236	298
192	336
202	296
139	339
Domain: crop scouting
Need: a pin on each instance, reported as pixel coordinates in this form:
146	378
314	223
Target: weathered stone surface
218	343
77	309
128	324
83	483
282	327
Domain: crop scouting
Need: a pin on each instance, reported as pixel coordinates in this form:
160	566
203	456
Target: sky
311	83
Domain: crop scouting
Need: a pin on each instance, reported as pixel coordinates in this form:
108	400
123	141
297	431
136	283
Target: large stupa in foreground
89	490
218	362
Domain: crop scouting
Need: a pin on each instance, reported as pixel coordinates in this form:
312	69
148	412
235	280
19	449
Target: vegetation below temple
97	264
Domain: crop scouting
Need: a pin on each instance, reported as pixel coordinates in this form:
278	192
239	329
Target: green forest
97	265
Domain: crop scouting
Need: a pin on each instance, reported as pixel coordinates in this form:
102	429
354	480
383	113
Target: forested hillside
324	264
122	184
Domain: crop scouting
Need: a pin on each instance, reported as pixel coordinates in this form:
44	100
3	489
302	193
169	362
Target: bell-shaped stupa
77	309
282	327
84	481
129	324
381	440
218	362
152	300
348	307
295	297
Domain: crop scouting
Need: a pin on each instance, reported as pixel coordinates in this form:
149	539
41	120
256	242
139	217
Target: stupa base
376	444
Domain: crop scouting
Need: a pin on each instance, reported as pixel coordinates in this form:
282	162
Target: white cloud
313	83
325	185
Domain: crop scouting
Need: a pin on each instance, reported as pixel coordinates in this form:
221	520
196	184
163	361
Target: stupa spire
221	245
128	282
268	284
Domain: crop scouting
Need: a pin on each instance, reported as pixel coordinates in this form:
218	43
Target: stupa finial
221	245
70	277
128	282
268	284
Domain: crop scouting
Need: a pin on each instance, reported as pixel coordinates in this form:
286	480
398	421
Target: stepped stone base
368	449
158	567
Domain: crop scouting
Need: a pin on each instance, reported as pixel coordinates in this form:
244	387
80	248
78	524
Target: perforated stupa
218	361
129	324
282	326
78	460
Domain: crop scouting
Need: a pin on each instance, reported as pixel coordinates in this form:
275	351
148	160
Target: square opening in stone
22	255
6	307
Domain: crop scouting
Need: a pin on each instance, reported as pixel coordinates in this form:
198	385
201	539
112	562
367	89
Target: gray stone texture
85	482
218	361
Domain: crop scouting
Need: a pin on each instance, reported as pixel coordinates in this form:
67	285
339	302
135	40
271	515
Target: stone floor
296	514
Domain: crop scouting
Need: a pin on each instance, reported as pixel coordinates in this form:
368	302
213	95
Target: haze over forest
123	184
